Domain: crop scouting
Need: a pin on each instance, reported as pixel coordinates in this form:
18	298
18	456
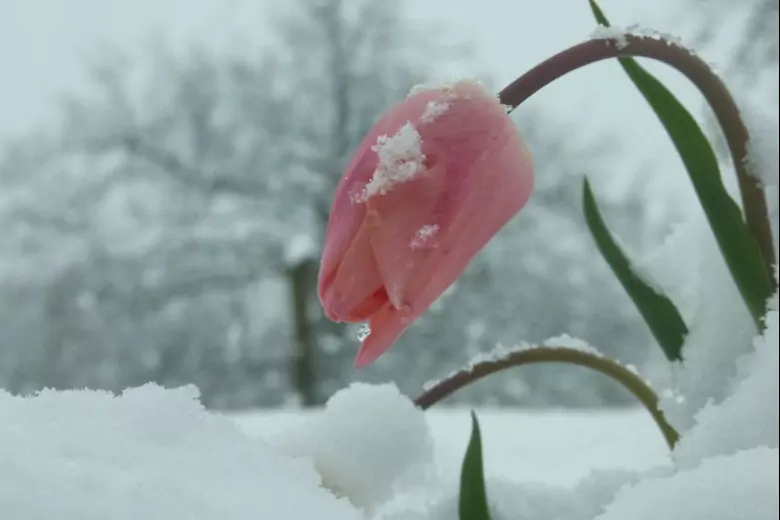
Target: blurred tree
347	62
201	174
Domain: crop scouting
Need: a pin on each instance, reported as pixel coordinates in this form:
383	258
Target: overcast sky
45	46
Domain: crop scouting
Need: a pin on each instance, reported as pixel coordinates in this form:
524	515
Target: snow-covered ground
155	453
553	447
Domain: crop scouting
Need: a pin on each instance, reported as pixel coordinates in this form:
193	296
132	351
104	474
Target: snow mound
691	270
749	416
369	443
150	453
738	487
763	156
519	500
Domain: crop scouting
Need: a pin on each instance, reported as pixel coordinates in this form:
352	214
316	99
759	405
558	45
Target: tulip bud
427	188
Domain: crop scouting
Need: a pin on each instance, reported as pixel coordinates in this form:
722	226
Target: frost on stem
645	32
610	33
621	35
503	353
566	341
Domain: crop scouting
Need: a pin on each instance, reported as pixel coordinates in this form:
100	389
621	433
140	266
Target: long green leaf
738	246
658	311
473	497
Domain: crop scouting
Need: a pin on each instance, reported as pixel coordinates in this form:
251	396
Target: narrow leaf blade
473	503
658	311
737	245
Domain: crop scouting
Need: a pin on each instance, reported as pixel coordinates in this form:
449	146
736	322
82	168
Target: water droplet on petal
364	332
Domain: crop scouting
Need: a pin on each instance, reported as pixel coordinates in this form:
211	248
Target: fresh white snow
423	235
616	34
434	109
368	440
739	487
152	453
763	156
551	447
400	159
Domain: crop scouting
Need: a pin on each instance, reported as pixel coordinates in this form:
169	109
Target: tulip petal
478	175
343	226
407	233
347	213
355	290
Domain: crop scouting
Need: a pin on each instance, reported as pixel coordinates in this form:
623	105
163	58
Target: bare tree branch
188	175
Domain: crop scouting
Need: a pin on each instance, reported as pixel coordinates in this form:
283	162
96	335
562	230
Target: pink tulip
428	187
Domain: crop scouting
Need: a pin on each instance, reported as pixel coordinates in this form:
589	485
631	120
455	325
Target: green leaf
658	311
738	246
473	497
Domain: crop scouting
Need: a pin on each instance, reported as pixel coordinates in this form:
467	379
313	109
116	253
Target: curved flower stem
632	382
700	74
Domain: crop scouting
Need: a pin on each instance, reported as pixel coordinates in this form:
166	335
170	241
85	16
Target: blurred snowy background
166	169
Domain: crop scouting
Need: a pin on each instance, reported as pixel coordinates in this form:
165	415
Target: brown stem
700	74
632	382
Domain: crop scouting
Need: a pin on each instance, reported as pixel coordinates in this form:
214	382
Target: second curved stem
628	379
